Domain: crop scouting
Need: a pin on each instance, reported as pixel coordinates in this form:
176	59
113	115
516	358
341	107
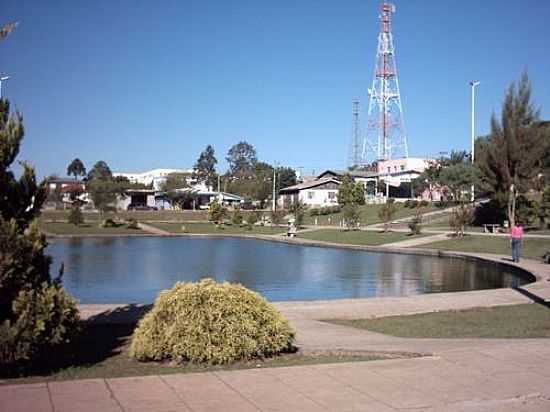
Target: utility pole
274	206
2	79
473	84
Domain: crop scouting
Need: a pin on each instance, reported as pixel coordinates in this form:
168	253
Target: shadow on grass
101	337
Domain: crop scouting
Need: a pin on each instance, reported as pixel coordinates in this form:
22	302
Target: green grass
211	228
158	215
517	321
101	351
368	213
89	228
358	237
532	248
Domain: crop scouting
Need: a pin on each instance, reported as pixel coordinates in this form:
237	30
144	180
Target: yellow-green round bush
210	322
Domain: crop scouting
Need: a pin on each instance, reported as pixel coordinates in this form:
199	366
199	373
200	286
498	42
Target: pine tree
512	157
205	168
35	311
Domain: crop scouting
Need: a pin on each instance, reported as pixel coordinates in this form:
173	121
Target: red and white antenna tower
385	138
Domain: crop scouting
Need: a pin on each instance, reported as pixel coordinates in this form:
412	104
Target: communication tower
385	136
355	147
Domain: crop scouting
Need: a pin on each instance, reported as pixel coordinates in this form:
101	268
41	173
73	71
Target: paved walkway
457	374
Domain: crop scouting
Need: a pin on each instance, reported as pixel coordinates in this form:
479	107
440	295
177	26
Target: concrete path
417	241
153	230
456	374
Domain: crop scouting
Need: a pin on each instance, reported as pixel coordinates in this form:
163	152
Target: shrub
423	203
237	217
216	212
252	218
277	217
75	216
314	211
210	322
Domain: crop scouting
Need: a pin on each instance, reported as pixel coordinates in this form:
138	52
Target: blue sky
144	84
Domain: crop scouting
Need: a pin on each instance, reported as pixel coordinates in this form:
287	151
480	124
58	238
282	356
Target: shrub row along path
455	374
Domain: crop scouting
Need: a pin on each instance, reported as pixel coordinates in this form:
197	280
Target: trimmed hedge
210	322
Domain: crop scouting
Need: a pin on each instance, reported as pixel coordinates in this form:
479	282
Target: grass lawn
532	248
358	237
517	321
139	215
445	226
210	228
101	351
90	228
369	215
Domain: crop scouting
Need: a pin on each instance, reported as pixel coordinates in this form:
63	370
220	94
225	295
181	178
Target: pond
134	270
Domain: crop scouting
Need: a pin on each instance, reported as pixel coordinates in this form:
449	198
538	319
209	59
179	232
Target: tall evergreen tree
35	311
513	152
76	168
100	171
205	168
241	158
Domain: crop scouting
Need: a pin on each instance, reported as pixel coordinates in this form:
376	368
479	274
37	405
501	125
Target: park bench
491	228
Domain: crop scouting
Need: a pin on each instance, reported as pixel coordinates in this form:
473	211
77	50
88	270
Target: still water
134	270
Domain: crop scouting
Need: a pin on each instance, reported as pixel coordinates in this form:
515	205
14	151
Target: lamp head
474	83
4	78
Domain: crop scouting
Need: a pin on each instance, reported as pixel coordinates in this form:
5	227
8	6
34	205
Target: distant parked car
247	206
140	206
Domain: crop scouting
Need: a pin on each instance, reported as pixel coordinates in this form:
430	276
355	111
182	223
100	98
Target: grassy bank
368	215
101	351
210	228
357	237
141	216
532	248
517	321
90	228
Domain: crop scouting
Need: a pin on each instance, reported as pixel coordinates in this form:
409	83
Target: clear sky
144	84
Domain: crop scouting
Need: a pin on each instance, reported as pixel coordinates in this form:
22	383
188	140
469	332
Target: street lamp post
2	79
473	85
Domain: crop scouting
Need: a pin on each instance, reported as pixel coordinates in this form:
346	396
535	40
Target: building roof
353	173
309	184
63	181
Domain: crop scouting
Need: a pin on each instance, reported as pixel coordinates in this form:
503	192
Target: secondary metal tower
385	138
355	156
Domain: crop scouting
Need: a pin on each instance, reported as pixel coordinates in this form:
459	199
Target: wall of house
319	197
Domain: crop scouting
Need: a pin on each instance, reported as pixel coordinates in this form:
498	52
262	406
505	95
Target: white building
154	177
313	193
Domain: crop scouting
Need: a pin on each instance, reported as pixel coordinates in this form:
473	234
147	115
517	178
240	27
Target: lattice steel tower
385	136
355	156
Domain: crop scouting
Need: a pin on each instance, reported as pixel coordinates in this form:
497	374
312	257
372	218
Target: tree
286	176
545	204
298	209
35	312
351	215
428	180
75	216
76	168
513	155
386	213
460	217
241	158
100	171
175	181
350	192
205	168
103	193
459	178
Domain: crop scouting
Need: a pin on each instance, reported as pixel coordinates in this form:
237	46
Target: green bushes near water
212	323
323	211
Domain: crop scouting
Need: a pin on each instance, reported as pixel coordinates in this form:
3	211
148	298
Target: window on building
310	195
332	195
395	168
402	168
389	169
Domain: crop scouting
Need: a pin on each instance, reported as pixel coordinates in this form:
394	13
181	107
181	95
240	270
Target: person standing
516	237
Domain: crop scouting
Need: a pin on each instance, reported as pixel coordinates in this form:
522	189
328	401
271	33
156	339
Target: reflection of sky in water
120	270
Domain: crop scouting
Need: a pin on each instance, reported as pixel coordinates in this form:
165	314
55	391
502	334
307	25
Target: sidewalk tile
148	393
83	396
25	398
